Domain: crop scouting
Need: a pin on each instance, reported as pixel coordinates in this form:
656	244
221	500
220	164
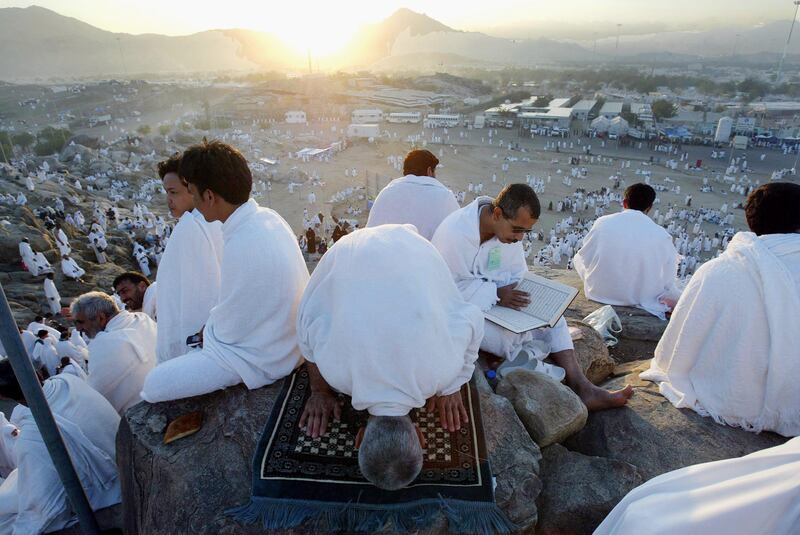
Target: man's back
419	200
627	259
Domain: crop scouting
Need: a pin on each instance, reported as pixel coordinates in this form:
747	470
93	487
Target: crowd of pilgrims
232	302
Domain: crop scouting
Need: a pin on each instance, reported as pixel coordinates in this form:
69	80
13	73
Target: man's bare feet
598	399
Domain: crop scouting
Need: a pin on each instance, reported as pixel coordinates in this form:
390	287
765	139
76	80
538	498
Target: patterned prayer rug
298	479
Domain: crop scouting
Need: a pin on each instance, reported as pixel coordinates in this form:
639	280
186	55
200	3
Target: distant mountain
37	43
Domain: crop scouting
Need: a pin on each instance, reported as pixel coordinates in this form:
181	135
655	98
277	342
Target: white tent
618	126
601	125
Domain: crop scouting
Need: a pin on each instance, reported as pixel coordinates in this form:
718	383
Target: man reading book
481	244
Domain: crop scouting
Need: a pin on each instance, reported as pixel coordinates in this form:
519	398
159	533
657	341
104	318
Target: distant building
611	110
724	130
442	120
363	130
409	117
554	117
367	116
295	117
582	110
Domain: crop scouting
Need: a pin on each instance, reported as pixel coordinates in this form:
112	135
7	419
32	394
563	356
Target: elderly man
730	349
628	259
417	198
481	244
250	335
382	321
136	292
88	424
122	350
191	261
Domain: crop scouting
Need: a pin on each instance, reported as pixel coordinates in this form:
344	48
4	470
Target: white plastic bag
605	321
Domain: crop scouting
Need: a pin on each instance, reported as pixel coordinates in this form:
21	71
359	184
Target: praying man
368	291
482	245
628	259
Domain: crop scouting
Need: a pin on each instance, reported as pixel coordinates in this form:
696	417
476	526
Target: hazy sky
333	21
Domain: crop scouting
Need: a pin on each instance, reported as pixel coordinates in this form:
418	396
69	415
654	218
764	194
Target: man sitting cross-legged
731	349
481	245
250	335
382	321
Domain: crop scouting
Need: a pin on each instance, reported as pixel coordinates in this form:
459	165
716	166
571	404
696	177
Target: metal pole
786	46
32	390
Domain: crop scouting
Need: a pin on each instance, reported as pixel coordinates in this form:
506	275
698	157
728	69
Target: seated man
730	349
71	269
191	261
135	290
122	350
88	425
250	335
481	245
417	198
382	321
44	353
628	259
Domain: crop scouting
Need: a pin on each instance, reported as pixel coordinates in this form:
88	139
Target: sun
320	36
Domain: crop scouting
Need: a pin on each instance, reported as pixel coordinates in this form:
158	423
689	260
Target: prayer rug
299	480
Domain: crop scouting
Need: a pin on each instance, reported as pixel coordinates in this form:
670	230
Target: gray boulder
651	434
592	353
579	490
549	410
185	486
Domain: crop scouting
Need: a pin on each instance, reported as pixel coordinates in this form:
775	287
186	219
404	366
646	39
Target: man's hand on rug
452	413
317	413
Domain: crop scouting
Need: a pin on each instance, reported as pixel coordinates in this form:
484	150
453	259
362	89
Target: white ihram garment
385	324
421	201
251	331
120	357
188	282
730	350
149	302
758	494
71	269
478	278
53	297
627	259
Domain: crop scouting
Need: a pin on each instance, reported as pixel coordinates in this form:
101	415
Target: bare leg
594	397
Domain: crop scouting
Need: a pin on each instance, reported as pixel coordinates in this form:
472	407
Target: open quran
549	300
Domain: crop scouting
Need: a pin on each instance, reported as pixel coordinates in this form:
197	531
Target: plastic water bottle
491	377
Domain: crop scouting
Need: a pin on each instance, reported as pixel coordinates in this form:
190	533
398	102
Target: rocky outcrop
185	486
592	353
655	437
550	411
580	490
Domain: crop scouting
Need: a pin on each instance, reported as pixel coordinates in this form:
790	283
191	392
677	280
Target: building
611	110
442	120
553	118
740	142
480	121
295	117
367	116
582	110
408	117
363	130
724	130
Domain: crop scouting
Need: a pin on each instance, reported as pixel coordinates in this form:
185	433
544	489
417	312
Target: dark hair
38	319
640	196
418	161
170	165
134	277
774	208
514	196
219	167
9	386
42	332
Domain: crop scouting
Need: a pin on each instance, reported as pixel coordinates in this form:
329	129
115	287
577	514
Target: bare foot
598	399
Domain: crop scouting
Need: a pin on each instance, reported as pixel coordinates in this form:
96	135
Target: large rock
579	490
185	486
651	434
549	410
592	353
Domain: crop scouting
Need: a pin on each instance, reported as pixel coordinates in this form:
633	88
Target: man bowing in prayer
122	350
382	322
628	259
190	262
481	244
731	348
250	335
417	198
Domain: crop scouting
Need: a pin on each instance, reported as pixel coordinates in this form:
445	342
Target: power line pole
786	45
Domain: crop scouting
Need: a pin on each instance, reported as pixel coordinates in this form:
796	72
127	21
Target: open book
549	300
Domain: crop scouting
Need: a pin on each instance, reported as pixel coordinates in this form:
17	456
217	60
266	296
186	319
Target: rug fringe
473	518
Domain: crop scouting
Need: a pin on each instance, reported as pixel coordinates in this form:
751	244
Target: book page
546	301
549	300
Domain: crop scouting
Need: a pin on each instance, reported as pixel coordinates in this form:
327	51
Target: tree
664	109
144	129
50	140
164	129
23	139
753	88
